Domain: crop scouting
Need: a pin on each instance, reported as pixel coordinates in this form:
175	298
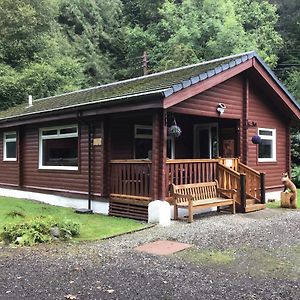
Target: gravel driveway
242	256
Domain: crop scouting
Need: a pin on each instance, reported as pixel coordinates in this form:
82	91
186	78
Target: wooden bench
201	195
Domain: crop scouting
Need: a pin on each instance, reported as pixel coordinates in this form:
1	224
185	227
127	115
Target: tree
36	58
93	28
24	28
189	31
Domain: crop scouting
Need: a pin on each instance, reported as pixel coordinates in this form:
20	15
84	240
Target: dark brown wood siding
9	174
73	182
229	92
232	93
122	134
266	116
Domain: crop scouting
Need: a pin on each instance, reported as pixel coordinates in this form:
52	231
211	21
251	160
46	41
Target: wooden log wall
25	172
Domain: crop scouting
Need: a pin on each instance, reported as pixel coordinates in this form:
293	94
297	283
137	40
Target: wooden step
250	201
254	207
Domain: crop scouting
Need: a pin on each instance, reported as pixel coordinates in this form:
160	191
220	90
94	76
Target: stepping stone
162	247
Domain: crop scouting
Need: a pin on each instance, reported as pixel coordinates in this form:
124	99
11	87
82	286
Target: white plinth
159	212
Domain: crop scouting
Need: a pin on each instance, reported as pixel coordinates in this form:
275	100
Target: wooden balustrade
131	178
229	179
185	171
232	163
253	181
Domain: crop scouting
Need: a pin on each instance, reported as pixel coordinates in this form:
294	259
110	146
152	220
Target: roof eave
115	106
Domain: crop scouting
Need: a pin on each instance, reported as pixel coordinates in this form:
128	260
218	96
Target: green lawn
93	226
277	203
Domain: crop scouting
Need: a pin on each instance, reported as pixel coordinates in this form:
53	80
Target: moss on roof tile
115	92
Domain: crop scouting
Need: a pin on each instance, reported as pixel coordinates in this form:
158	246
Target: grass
276	204
93	226
207	257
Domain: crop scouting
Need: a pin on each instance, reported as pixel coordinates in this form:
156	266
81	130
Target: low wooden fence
131	178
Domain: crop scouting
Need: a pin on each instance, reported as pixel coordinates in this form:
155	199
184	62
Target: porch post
243	192
106	157
262	188
159	149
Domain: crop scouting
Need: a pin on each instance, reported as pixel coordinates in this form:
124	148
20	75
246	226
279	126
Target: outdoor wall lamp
221	108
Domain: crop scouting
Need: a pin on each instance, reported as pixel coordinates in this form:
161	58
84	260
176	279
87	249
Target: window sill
58	168
10	159
267	161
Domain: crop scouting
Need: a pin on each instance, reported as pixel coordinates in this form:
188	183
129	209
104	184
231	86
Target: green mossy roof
164	83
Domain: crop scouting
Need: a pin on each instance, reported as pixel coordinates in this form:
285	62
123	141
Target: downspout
90	134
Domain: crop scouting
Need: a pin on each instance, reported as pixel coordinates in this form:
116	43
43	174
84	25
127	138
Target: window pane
214	141
11	149
11	136
49	132
265	132
60	152
265	149
68	130
144	131
143	148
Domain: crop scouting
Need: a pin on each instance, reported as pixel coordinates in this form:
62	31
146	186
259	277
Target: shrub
39	230
296	175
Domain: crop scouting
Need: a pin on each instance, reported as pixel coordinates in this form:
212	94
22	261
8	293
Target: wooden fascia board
206	84
266	76
39	119
74	113
119	109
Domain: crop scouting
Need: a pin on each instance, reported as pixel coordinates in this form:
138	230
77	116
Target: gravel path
250	256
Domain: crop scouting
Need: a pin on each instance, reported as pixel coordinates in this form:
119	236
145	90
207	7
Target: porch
132	184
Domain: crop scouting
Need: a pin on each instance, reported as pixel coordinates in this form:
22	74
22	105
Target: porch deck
132	183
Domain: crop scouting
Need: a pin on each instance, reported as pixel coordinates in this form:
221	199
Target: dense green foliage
288	68
190	31
38	230
53	46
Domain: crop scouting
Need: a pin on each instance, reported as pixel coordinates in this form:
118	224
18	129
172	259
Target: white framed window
10	146
58	148
267	146
143	143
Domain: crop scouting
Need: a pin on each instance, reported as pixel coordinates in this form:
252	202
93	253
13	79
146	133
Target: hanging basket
175	131
256	139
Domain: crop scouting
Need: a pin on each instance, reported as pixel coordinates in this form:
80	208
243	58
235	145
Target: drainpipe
90	134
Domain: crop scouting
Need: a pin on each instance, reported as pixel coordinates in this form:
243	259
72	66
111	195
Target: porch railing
131	178
229	179
253	181
184	171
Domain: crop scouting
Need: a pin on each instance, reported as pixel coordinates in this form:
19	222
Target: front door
206	142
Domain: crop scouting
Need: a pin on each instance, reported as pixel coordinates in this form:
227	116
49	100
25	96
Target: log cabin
116	147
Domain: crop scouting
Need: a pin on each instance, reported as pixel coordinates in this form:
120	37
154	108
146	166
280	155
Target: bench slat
196	195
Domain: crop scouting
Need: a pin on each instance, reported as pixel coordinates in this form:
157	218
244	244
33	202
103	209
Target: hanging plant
256	139
175	130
